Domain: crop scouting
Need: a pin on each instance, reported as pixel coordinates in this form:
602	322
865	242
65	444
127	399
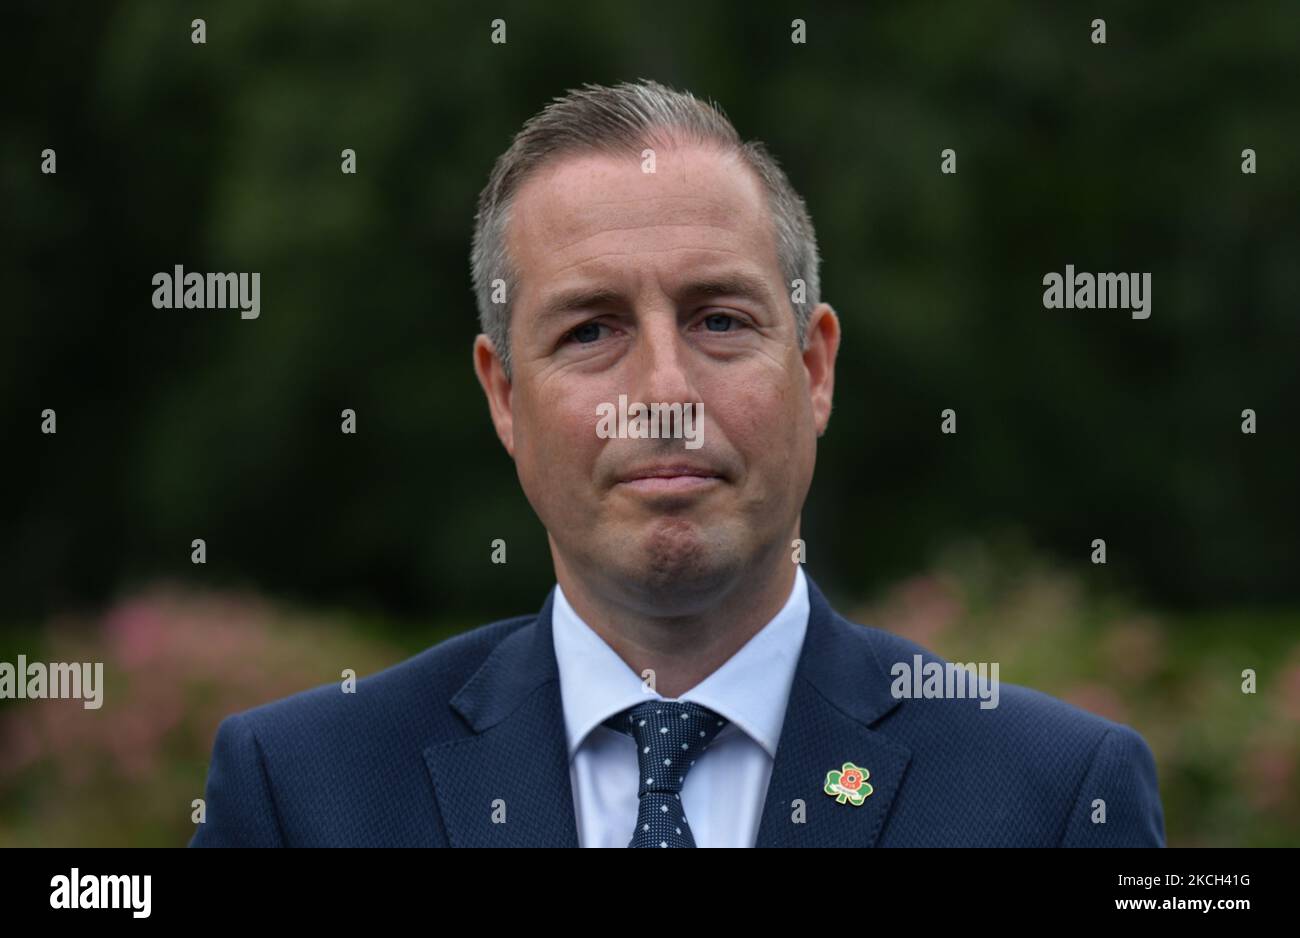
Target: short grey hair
624	120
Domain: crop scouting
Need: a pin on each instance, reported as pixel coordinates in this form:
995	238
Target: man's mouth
670	478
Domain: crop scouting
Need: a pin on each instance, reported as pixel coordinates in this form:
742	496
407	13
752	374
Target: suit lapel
840	689
518	753
517	761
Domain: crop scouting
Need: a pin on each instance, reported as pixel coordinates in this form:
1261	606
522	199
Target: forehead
600	216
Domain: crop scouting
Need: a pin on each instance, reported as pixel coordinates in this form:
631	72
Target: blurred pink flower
1289	688
1268	775
920	608
1098	699
175	663
1133	650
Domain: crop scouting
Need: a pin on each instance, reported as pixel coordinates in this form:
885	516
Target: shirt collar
750	689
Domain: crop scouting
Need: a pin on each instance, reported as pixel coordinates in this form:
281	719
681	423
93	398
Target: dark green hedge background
1073	424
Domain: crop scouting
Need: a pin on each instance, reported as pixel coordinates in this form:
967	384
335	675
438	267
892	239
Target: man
684	684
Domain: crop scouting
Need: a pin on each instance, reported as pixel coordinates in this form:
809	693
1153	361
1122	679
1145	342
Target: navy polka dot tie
669	736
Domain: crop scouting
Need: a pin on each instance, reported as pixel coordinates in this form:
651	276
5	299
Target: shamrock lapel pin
848	784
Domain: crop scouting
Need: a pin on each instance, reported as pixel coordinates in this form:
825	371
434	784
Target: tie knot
669	735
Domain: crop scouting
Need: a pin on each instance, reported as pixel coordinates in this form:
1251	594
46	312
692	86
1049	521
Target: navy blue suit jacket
421	752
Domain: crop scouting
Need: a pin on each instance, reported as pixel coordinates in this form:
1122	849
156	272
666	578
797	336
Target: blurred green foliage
177	660
1228	762
176	424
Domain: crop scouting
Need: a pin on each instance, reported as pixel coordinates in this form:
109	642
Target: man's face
643	248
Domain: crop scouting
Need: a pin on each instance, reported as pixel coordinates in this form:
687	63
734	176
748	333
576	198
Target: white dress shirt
724	791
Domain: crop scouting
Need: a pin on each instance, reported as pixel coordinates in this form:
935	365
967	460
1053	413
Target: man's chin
677	553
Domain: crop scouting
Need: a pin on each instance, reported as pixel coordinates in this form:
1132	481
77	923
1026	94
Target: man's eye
720	322
585	334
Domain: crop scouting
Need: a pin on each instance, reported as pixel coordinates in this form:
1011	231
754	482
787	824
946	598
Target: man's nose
662	364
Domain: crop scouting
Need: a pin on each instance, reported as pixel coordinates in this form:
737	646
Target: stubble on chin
674	554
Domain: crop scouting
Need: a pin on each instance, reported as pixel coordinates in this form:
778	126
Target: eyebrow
729	284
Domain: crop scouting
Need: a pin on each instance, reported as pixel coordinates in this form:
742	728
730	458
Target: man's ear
819	359
496	385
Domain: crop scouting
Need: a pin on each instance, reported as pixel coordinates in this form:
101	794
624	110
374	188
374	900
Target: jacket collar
508	783
840	690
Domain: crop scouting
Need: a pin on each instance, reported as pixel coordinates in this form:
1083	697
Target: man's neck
682	649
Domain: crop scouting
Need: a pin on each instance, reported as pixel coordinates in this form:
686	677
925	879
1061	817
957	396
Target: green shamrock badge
848	784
